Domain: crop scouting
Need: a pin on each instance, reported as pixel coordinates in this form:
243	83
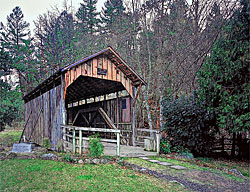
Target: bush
46	143
189	125
68	158
96	147
165	147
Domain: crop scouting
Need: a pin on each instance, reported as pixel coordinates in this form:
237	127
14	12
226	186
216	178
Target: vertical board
94	67
105	67
109	70
90	68
78	71
113	72
99	66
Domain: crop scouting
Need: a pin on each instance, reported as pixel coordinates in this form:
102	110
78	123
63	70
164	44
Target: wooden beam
92	129
137	94
106	118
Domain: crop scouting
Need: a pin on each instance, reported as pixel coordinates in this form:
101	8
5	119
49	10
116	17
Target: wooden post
63	104
117	112
133	120
80	142
118	145
158	142
74	141
64	138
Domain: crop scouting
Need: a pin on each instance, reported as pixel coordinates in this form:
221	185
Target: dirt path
197	180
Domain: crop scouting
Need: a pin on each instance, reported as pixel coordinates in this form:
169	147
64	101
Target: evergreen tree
15	37
16	31
11	100
225	76
88	17
112	13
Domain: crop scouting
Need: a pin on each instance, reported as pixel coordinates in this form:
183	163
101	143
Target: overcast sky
32	8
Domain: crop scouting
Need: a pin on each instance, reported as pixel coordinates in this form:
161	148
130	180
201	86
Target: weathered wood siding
91	68
50	119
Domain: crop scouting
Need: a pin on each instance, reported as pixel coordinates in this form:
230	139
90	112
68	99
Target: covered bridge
97	91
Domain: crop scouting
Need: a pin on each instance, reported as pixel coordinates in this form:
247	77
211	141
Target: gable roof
114	57
109	52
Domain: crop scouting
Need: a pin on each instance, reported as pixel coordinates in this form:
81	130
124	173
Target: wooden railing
70	138
156	136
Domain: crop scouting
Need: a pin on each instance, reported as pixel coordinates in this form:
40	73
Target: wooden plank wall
50	119
90	69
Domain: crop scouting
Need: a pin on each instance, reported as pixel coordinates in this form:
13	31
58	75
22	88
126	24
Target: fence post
80	142
157	142
118	144
74	141
64	137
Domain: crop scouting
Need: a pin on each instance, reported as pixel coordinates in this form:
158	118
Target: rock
11	155
174	181
235	172
3	156
154	161
95	161
118	160
186	156
87	161
143	170
40	149
22	148
80	161
104	161
178	167
49	156
1	149
25	157
144	158
165	163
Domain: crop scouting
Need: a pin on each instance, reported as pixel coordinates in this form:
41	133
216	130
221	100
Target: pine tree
225	76
16	31
112	13
88	17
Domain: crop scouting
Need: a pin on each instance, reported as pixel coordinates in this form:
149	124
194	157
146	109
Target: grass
193	165
42	175
7	138
243	167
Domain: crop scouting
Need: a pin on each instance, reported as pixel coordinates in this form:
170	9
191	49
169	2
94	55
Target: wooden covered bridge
95	94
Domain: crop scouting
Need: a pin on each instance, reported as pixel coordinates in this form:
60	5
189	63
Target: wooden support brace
137	94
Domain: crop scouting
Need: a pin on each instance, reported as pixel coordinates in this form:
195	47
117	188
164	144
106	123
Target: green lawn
45	175
7	138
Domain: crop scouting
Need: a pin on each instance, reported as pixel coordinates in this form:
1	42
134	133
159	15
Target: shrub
165	147
46	143
96	147
68	158
189	125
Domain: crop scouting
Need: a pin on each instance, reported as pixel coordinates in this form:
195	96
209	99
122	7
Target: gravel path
234	185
